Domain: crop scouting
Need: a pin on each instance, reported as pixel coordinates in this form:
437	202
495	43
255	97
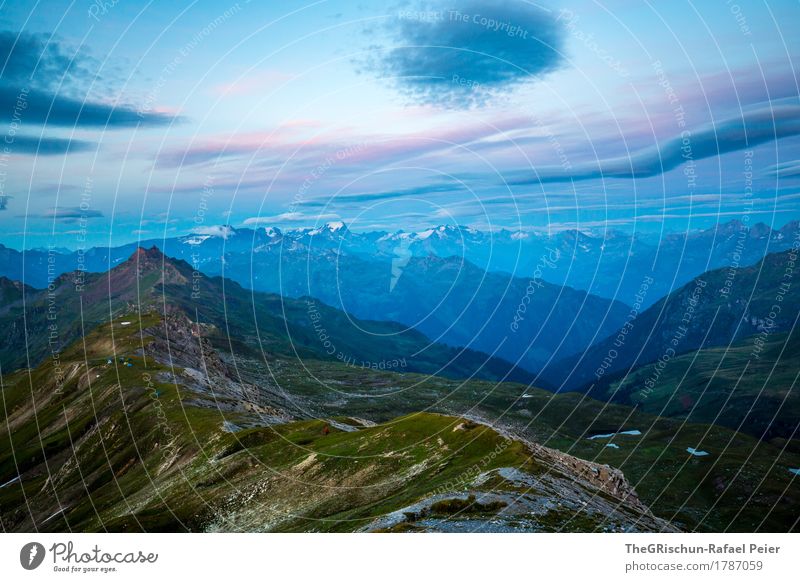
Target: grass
742	473
726	386
120	458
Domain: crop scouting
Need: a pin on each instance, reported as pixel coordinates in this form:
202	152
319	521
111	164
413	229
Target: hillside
723	385
743	485
128	443
525	321
256	322
214	380
715	309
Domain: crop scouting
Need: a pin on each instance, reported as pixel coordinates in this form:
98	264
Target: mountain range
453	283
38	323
609	264
186	402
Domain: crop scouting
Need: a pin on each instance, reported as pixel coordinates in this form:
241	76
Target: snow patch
329	227
334	226
62	510
611	434
7	483
196	240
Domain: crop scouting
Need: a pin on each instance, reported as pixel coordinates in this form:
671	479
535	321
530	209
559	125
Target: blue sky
135	120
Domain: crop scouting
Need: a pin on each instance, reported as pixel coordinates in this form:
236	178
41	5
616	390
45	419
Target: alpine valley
444	380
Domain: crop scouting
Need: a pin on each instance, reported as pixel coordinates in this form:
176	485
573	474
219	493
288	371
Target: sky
128	120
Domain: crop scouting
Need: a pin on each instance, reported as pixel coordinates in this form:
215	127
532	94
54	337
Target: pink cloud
253	83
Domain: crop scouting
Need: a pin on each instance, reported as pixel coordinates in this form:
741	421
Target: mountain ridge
719	307
150	281
608	264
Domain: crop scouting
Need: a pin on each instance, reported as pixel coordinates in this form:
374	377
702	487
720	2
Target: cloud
789	169
745	131
337	149
48	146
38	107
388	195
292	217
43	83
461	55
221	231
36	60
69	213
731	89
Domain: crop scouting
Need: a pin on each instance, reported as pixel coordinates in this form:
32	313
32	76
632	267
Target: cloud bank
48	146
746	131
42	83
461	55
69	213
43	108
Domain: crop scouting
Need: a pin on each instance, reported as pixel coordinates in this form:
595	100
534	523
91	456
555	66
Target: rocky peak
760	230
144	262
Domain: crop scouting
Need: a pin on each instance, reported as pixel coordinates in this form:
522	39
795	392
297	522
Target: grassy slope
706	493
725	386
121	449
716	309
742	473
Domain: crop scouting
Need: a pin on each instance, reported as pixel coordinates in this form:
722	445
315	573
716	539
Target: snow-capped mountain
610	264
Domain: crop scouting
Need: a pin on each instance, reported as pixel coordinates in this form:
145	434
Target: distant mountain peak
792	225
335	227
149	261
760	230
732	225
445	230
153	253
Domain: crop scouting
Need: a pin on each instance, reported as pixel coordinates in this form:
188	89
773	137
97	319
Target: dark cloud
44	83
746	131
460	55
48	146
38	61
42	108
69	213
387	195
